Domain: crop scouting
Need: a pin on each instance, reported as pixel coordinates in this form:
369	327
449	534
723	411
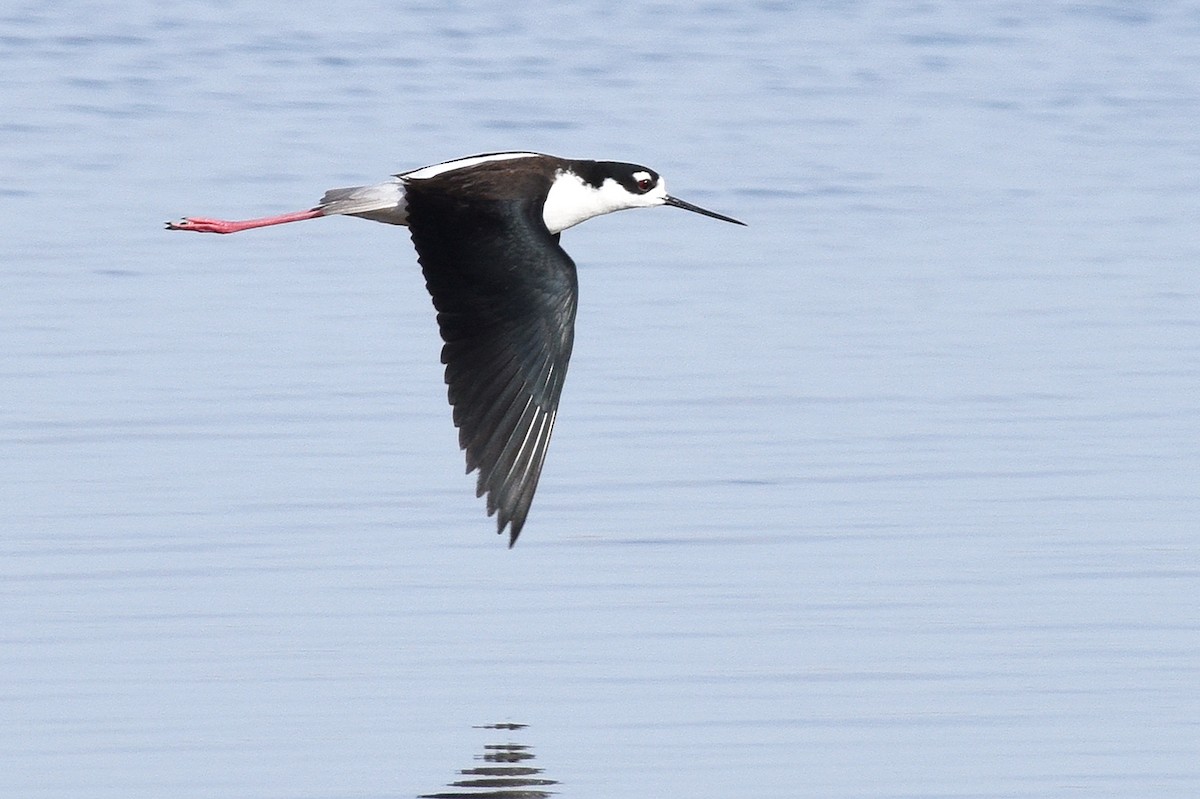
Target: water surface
890	494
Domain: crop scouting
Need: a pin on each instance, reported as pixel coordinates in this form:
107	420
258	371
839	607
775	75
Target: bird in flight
486	231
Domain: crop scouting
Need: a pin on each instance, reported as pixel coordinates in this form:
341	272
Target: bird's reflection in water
508	773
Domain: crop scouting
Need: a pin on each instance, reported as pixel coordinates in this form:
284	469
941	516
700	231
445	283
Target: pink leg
202	225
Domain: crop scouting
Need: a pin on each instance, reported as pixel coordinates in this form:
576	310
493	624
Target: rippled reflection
508	772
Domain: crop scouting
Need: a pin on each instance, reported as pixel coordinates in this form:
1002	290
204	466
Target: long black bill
678	203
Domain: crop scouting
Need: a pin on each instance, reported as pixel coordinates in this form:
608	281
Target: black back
506	294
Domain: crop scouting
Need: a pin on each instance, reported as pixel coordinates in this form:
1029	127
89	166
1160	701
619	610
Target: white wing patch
462	163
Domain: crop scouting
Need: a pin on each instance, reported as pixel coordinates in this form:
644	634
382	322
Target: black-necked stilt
486	230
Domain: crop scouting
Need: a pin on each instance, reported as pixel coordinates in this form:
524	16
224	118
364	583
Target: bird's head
591	188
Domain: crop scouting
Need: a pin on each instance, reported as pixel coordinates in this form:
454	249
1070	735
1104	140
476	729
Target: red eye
644	184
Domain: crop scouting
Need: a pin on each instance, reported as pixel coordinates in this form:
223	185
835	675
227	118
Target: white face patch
572	201
461	163
658	194
640	176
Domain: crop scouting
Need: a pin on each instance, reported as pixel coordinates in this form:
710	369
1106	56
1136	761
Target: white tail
383	202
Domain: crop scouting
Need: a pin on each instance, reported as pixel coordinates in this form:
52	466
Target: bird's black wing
506	294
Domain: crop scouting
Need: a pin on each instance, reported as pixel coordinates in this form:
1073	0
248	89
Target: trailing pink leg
200	224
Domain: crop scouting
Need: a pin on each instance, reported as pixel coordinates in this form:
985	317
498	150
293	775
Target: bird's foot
200	224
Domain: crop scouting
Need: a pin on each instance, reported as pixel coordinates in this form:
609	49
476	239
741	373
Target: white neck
572	201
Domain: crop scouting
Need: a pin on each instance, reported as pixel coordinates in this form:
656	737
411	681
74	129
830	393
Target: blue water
891	494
